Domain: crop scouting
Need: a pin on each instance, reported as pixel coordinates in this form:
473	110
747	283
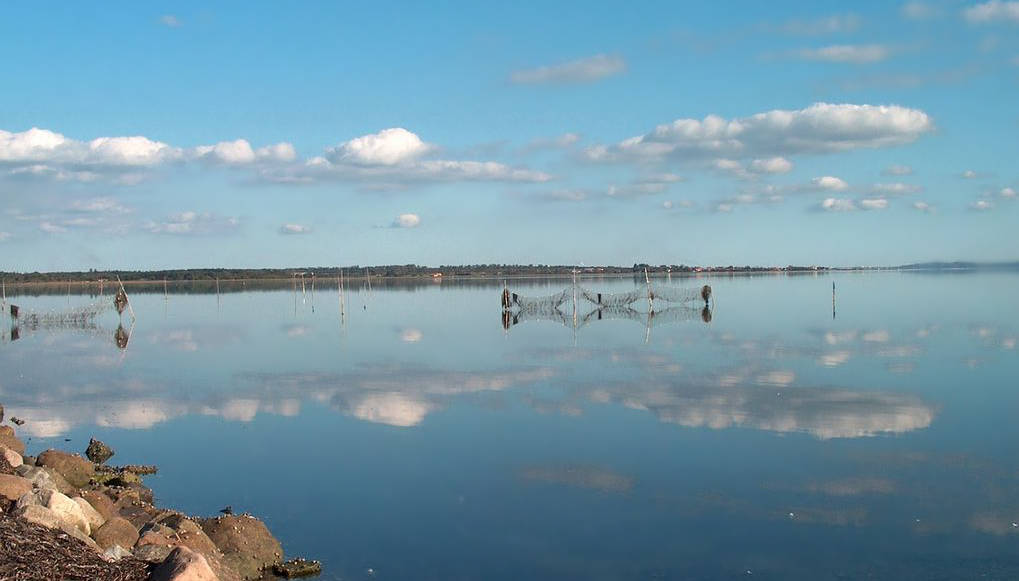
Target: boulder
246	543
75	469
178	529
94	518
101	503
44	478
183	564
152	553
7	438
13	458
14	487
43	516
69	511
98	452
116	553
139	513
116	531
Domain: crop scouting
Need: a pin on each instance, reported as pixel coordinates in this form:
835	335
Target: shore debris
17	421
295	568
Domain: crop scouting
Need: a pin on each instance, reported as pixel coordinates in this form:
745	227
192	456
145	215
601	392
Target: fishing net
540	304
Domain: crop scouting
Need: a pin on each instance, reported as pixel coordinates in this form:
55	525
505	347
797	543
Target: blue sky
263	134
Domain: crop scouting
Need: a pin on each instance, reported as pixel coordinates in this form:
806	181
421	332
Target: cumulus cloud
292	229
387	147
820	128
636	190
837	205
830	183
102	205
561	195
4	236
772	165
896	189
192	223
394	158
585	70
982	205
239	152
1007	193
564	141
51	228
897	170
969	174
922	206
846	53
406	221
874	204
993	11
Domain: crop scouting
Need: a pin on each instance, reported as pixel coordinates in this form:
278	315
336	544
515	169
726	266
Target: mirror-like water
417	437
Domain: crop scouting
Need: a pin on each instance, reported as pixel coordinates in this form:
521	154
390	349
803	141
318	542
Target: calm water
419	439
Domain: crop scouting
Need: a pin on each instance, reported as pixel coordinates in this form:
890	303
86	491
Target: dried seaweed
31	552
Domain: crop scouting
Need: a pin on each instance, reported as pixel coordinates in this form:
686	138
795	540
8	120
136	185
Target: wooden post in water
650	295
833	300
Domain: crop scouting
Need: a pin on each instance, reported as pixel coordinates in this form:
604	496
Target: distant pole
833	300
166	294
650	295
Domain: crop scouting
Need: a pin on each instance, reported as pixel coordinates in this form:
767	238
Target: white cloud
387	147
193	223
922	206
103	205
228	152
969	174
295	229
846	53
897	170
170	20
661	178
982	205
838	205
667	204
51	228
820	128
896	189
561	195
584	70
636	190
407	221
830	183
874	204
36	146
993	11
1007	193
564	141
411	335
836	23
4	236
773	165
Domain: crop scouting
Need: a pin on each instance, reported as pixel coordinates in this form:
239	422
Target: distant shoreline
416	273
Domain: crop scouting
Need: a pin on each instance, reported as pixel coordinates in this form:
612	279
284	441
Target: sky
268	134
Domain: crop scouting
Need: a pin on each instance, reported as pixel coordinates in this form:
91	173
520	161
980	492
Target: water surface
417	438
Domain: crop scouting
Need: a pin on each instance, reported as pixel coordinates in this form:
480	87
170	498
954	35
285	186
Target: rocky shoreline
63	516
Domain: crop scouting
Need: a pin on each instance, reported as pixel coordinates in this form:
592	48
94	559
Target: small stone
7	438
102	503
14	487
94	518
183	564
69	511
247	545
116	531
98	452
116	553
12	458
152	553
45	478
75	469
